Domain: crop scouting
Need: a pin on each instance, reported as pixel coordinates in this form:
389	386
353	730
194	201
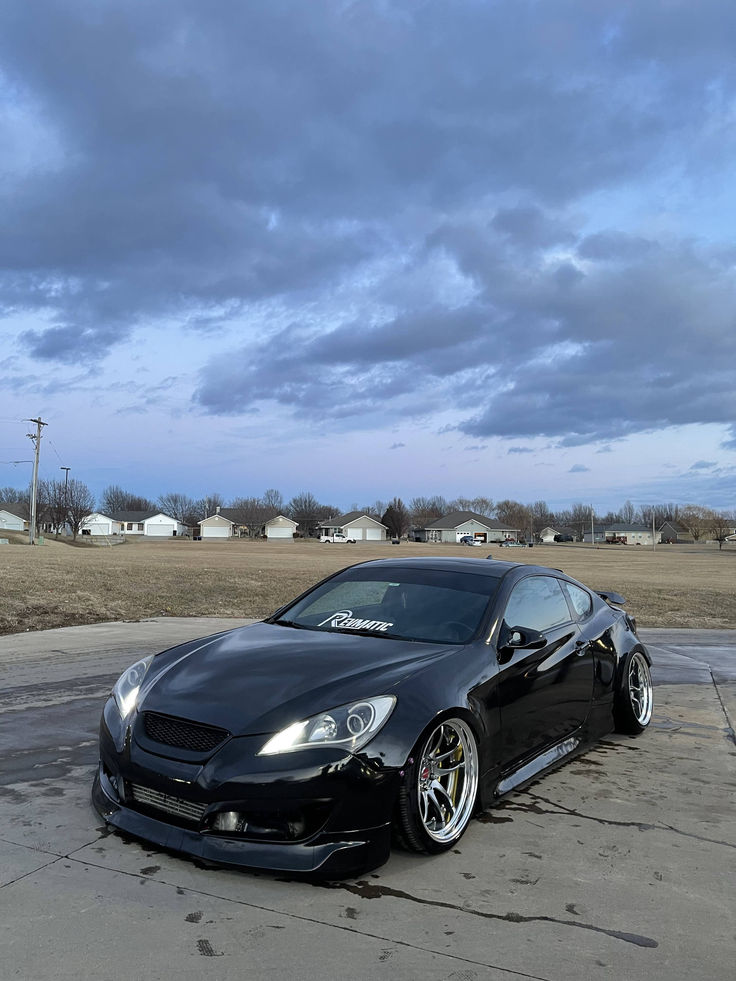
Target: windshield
428	605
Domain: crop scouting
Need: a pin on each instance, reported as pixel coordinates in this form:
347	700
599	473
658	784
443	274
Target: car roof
479	567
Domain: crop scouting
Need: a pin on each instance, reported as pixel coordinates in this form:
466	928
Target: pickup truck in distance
337	538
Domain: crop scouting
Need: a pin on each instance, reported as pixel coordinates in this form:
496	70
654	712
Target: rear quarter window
582	601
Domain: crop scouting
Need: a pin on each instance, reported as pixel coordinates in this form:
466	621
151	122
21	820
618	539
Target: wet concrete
618	865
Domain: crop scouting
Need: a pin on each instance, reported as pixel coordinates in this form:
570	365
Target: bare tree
273	500
721	526
425	510
207	506
541	516
53	495
114	499
513	515
250	512
11	495
696	519
80	503
177	506
628	514
305	509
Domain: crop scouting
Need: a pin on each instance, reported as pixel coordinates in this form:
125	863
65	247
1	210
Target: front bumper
304	812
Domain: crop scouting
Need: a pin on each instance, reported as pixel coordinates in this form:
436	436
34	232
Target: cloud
704	465
461	214
397	446
579	468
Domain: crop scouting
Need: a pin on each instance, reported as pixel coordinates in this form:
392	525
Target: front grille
186	810
183	734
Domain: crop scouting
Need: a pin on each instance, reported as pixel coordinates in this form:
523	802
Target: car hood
258	679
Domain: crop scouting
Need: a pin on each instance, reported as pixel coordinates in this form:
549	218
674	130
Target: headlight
349	726
126	688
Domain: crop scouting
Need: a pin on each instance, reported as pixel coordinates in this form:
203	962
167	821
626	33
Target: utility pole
36	439
654	543
66	497
592	526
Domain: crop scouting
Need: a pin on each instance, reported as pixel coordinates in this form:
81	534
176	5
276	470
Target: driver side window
538	603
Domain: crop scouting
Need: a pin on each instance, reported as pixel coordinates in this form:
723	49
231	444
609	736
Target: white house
151	524
98	524
11	517
357	525
279	527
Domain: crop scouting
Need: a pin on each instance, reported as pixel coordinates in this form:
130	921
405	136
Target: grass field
58	585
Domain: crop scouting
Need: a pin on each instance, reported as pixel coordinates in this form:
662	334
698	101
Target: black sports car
391	700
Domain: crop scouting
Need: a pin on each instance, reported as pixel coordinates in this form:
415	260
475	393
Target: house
630	533
547	535
599	534
673	533
454	526
98	523
222	524
279	528
357	525
13	517
151	524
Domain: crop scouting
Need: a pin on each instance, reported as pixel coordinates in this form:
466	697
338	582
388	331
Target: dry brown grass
56	585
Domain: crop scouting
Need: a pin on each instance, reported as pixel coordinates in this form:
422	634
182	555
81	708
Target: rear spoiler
610	597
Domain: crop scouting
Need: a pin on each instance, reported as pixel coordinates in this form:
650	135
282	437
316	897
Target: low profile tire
632	710
438	797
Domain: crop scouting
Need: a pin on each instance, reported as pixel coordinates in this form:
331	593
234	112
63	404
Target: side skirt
550	757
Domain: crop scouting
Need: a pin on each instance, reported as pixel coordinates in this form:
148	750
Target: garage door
160	531
374	534
279	533
218	531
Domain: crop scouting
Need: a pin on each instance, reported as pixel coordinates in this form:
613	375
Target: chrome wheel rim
640	688
447	781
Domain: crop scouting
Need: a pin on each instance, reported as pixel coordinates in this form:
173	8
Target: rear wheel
634	699
438	799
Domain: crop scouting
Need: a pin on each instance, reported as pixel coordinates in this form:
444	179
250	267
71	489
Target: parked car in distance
337	538
469	540
512	544
392	700
564	538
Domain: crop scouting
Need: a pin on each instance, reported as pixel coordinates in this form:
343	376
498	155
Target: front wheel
438	798
632	709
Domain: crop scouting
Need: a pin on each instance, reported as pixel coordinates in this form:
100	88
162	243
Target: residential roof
19	510
346	519
628	526
675	525
135	515
455	518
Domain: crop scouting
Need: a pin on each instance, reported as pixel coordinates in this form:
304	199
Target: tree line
61	503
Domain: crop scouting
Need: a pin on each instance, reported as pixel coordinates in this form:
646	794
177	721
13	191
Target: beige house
355	524
280	528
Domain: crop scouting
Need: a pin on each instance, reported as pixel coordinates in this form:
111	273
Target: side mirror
519	638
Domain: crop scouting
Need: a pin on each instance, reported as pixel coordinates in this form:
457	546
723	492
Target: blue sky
371	249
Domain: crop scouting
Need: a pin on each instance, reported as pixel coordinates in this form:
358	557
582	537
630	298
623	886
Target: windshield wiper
292	623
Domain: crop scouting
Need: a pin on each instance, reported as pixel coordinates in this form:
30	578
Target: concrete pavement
619	865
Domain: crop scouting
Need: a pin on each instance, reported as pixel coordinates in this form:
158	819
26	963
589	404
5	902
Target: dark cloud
431	194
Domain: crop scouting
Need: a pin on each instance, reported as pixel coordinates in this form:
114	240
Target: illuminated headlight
126	688
349	726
